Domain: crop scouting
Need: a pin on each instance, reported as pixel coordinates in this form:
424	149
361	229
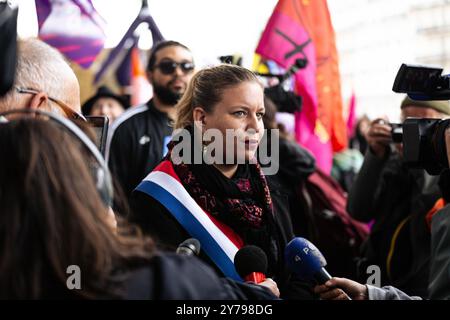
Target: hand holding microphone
251	264
307	262
338	288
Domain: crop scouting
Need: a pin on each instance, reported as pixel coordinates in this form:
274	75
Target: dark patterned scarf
242	202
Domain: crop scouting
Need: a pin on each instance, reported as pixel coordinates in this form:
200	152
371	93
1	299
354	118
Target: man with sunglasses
43	80
137	140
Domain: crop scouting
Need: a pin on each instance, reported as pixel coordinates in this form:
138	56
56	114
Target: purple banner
73	27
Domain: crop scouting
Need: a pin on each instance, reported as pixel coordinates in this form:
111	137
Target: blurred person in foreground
43	80
53	218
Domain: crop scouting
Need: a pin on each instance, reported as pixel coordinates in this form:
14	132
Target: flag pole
143	17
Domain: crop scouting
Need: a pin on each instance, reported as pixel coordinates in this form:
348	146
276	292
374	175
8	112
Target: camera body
397	132
286	101
424	144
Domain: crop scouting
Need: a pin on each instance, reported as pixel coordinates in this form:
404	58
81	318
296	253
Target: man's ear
149	75
199	115
39	101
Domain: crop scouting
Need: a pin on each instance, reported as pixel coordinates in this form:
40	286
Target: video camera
397	132
285	100
423	139
422	82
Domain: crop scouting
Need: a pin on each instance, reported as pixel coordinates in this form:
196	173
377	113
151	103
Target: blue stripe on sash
192	226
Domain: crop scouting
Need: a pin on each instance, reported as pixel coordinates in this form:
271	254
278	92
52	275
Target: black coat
157	221
296	165
167	276
174	277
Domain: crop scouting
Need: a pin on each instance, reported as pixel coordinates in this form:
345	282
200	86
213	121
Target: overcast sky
209	27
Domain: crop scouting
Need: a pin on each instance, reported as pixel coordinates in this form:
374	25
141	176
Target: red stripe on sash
167	167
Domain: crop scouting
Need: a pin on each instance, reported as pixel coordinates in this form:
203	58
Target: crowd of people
173	171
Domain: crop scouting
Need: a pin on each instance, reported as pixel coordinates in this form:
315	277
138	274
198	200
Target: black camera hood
8	45
422	82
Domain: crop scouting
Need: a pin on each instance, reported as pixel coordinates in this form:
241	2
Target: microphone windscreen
303	258
192	244
250	259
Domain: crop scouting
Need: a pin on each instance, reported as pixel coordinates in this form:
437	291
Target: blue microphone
305	260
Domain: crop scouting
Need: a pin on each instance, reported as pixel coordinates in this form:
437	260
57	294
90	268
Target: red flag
141	90
303	29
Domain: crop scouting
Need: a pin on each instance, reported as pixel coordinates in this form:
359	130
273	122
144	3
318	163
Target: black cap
102	92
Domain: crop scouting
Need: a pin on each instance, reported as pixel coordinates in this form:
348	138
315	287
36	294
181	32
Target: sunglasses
169	67
70	113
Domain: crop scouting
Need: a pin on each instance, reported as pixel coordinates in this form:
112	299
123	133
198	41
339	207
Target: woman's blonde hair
205	90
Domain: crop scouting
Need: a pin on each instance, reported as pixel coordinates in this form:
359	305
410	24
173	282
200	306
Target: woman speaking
210	187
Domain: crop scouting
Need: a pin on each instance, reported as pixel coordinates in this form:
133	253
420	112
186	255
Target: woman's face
239	112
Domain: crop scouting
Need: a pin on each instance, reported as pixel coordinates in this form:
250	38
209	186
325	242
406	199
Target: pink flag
141	90
351	119
302	29
277	44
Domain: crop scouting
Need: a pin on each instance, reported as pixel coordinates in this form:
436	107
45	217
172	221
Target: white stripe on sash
176	189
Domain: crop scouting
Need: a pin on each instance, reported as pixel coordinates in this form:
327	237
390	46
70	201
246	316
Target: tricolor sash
218	241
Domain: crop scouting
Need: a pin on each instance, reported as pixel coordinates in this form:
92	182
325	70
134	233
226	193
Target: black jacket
174	277
157	221
136	144
166	276
439	285
296	165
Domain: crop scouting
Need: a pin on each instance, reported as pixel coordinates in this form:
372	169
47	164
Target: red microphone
251	264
